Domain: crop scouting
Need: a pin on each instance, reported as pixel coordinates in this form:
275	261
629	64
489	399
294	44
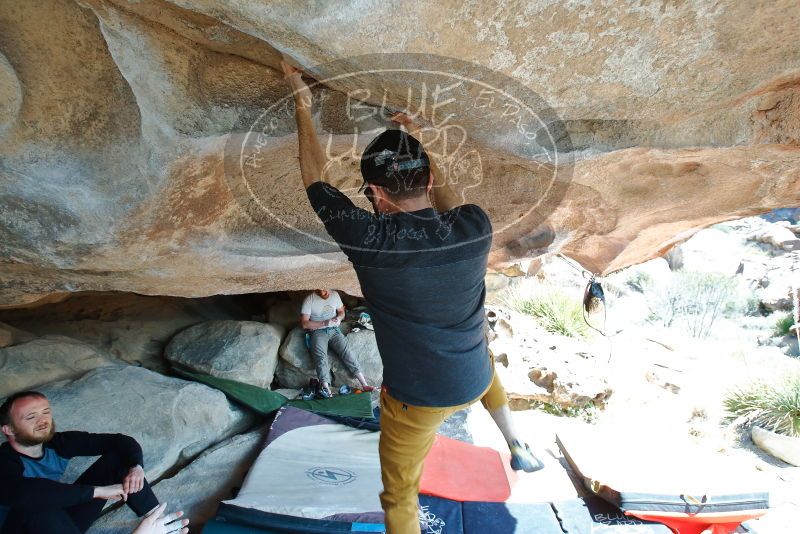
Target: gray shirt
320	309
422	274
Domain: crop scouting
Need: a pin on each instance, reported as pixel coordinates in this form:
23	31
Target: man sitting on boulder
36	456
321	314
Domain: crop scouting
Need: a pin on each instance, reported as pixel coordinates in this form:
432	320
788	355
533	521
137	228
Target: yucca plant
774	406
796	316
783	325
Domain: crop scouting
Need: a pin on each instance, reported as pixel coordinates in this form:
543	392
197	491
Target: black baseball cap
387	157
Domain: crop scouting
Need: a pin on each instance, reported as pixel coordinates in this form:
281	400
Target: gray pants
323	338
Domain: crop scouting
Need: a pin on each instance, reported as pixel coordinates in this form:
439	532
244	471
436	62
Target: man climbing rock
36	456
421	264
320	315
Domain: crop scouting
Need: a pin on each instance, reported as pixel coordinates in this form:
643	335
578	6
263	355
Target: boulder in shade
245	351
172	419
11	336
124	326
285	313
199	487
47	359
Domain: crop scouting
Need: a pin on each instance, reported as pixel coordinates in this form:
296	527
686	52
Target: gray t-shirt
320	309
422	274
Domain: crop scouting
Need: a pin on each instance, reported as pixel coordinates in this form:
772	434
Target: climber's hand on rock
405	120
302	94
290	70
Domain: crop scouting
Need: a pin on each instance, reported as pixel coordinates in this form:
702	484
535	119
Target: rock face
11	336
131	328
199	487
790	345
777	236
758	254
120	122
173	420
284	313
786	448
246	351
29	365
537	366
296	365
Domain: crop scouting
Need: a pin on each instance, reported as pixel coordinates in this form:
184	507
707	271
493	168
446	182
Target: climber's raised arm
312	158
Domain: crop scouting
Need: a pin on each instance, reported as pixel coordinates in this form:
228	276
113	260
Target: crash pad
265	402
463	472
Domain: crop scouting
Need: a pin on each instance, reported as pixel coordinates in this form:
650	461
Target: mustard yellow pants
407	434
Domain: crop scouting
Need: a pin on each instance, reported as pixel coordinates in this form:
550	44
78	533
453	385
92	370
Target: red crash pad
462	472
713	523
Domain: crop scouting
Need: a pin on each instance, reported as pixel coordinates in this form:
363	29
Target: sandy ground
678	408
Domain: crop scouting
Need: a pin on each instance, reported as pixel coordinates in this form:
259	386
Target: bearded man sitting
32	497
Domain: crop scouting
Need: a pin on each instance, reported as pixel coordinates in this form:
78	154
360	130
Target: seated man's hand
134	480
154	523
113	492
334	322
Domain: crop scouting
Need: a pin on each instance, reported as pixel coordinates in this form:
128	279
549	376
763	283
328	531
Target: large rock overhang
122	126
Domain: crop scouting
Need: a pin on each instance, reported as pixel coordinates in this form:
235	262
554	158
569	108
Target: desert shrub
639	281
774	406
696	299
742	303
587	413
553	309
752	306
783	325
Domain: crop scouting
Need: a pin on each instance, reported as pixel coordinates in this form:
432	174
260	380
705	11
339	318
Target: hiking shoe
522	459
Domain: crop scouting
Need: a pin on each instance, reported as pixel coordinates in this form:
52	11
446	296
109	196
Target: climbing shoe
522	459
345	390
324	393
314	385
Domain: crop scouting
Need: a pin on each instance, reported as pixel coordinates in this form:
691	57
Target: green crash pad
266	402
